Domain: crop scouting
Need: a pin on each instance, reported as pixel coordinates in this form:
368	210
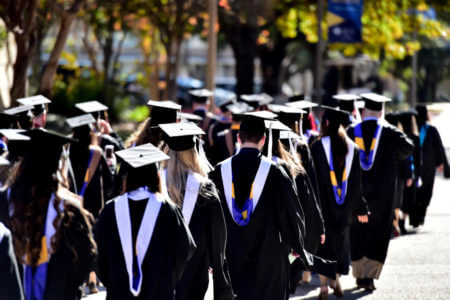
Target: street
417	265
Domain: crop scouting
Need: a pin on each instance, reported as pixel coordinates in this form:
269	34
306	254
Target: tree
174	20
67	13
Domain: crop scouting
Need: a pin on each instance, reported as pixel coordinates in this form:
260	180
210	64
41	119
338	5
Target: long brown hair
338	138
295	167
144	134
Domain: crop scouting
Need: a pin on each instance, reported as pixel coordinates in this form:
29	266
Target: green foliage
138	114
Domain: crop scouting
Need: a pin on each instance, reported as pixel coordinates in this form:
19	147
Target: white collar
139	194
370	119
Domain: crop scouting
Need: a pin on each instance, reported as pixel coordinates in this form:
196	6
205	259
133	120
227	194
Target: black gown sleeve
289	214
439	151
10	283
216	236
403	146
118	139
183	246
102	226
80	237
359	205
108	179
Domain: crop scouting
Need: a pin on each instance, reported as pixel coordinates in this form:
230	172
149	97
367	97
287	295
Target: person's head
146	176
200	98
422	115
251	138
34	179
253	127
331	126
40	108
373	105
368	113
408	123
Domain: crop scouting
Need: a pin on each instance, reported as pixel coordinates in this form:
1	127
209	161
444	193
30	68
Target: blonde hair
295	168
178	167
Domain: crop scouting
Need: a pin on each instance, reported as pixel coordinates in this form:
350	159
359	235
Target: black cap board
142	155
335	114
39	102
296	97
163	112
253	122
346	101
257	100
79	121
180	136
374	101
18	144
47	139
200	95
392	118
290	114
19	110
91	106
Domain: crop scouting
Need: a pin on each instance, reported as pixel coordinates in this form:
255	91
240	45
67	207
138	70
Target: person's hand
104	127
363	218
440	168
409	182
322	239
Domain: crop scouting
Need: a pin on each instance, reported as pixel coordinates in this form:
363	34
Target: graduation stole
94	160
367	158
122	213
35	278
190	195
423	133
242	215
340	190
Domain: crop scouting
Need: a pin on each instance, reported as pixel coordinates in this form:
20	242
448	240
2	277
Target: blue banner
344	21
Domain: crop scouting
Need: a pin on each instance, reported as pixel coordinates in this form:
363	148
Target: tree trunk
107	55
174	64
25	49
46	83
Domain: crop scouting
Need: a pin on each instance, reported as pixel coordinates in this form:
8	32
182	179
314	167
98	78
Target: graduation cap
14	134
180	136
39	103
238	108
257	100
335	114
287	135
163	112
374	101
200	95
347	101
253	122
4	161
91	107
18	144
303	104
296	97
45	139
392	118
83	120
276	126
225	104
18	110
142	155
187	117
290	114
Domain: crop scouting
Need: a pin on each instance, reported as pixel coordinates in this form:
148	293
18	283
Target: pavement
417	265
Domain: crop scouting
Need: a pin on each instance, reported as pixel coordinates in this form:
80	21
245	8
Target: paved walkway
418	264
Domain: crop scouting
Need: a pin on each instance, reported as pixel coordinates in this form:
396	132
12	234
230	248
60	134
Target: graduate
339	176
308	126
348	103
40	104
106	135
10	283
162	112
189	188
413	165
92	179
381	146
433	158
23	116
143	241
200	106
52	234
262	216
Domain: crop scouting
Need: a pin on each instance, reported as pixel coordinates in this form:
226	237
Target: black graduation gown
409	193
338	218
67	272
433	155
99	187
218	145
372	239
208	119
10	282
257	253
170	248
208	229
111	139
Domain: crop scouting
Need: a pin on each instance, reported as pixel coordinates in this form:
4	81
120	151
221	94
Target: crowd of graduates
255	196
